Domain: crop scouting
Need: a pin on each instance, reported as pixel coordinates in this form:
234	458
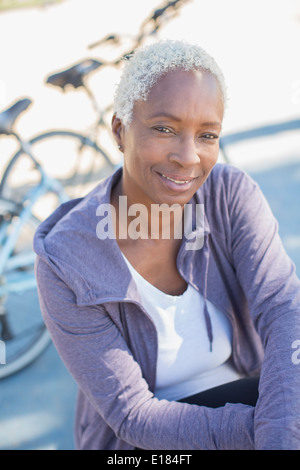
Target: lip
175	182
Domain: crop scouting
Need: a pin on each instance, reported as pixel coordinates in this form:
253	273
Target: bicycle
22	207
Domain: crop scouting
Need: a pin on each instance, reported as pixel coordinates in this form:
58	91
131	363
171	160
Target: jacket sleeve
95	353
268	278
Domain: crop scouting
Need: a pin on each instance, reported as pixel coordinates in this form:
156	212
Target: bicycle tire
88	163
26	353
26	336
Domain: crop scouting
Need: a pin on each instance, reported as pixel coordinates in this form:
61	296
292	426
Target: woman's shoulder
79	215
73	223
227	171
68	243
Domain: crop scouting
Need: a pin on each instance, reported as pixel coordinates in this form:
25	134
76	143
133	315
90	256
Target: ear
118	131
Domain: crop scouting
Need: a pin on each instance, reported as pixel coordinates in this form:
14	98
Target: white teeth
175	181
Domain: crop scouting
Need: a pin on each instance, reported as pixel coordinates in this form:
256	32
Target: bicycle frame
94	130
8	261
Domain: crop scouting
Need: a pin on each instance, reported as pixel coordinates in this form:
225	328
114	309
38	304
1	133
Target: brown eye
210	136
163	129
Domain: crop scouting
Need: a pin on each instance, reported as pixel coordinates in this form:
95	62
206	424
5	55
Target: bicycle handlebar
157	14
175	4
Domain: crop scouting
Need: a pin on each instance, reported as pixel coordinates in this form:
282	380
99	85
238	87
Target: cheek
143	152
209	157
138	160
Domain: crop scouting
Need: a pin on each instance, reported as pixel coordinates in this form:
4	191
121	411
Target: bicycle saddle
9	116
74	75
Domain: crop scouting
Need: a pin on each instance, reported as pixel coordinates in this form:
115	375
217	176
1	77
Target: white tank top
185	364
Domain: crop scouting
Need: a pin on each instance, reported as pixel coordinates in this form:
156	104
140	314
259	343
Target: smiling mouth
177	181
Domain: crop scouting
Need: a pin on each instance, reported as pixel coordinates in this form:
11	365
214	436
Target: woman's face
172	143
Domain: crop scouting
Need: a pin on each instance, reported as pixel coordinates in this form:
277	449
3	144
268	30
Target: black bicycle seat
9	116
74	75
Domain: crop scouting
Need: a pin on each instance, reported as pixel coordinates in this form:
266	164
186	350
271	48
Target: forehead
184	92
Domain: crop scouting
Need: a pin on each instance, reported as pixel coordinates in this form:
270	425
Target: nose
186	152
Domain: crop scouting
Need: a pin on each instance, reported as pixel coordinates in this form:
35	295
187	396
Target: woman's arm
268	278
95	352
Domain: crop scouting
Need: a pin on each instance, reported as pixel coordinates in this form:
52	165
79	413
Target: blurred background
257	46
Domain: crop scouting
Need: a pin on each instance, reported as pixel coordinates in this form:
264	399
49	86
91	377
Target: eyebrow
167	115
176	118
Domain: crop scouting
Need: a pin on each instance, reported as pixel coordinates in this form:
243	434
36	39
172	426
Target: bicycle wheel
71	158
23	333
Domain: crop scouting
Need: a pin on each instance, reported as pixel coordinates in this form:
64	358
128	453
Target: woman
166	335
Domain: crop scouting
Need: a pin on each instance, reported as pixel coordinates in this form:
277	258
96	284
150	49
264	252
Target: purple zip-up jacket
92	309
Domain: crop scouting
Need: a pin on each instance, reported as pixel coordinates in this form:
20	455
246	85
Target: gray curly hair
145	66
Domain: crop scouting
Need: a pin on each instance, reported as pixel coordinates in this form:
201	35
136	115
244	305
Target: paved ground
37	404
285	181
